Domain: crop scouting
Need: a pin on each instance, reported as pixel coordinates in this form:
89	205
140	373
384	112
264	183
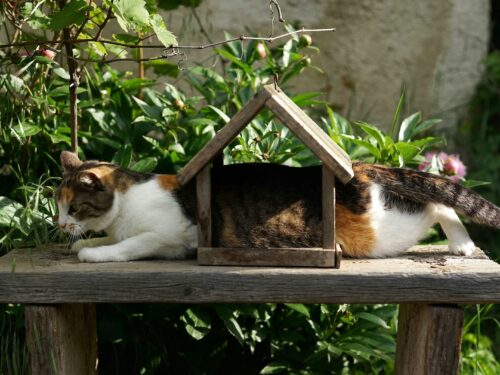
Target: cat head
86	196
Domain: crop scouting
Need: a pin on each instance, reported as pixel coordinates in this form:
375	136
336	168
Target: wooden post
328	213
429	339
204	207
61	339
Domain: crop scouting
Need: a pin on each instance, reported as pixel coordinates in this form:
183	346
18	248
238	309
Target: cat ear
70	161
90	179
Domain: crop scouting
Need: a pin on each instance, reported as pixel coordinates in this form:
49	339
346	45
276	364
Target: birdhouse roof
294	118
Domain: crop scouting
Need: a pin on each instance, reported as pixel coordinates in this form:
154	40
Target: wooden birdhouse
336	163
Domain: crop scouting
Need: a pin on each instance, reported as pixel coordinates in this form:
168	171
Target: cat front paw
465	248
91	255
78	245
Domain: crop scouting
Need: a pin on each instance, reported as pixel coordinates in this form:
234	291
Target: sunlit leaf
163	35
72	13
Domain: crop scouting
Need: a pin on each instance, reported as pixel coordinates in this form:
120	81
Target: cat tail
426	187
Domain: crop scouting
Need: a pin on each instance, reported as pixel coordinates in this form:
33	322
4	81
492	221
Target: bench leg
429	339
61	339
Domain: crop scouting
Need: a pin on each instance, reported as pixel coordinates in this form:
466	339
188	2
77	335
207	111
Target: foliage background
130	121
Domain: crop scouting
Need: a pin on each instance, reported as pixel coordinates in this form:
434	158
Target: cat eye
72	209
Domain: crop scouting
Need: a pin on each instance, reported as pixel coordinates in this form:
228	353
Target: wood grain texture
204	207
282	257
424	274
307	131
429	339
223	137
61	339
328	207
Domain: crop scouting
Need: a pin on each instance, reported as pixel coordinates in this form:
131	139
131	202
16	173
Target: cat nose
62	226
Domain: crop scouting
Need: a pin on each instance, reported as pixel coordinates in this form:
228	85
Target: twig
107	41
200	25
74	82
280	14
174	50
108	17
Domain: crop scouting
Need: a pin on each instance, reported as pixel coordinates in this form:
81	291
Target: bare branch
204	46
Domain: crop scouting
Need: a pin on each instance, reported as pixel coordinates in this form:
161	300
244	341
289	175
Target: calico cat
381	212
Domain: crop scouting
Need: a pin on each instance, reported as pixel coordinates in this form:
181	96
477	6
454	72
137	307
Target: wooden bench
428	283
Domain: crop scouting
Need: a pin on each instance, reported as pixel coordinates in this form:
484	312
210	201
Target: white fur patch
144	222
396	231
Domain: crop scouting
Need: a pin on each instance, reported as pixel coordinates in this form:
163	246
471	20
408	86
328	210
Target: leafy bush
128	121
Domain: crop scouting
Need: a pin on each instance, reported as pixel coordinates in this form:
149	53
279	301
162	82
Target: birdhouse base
280	257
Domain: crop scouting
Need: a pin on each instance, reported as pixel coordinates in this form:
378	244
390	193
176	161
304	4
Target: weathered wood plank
61	339
328	207
282	257
424	274
309	133
223	137
204	207
429	339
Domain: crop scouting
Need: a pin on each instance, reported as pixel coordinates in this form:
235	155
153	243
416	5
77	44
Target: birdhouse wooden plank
336	164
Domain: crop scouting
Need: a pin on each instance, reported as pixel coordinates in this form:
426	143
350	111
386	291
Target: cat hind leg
460	242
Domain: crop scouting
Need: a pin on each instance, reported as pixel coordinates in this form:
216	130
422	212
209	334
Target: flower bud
305	40
261	51
47	53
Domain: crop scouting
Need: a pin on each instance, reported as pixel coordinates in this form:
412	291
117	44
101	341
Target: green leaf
221	114
287	52
163	35
306	99
236	60
9	211
43	60
427	124
123	156
64	91
197	322
234	329
275	368
11	82
372	318
73	13
61	73
34	17
59	138
408	126
126	38
475	183
131	14
163	68
367	145
26	130
145	165
300	308
374	132
397	113
232	325
407	150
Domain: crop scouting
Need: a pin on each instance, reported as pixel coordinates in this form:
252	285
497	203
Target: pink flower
446	165
47	53
454	168
261	50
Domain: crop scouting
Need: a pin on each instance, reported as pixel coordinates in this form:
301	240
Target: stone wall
434	48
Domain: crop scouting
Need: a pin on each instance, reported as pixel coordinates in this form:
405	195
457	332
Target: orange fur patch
66	195
168	182
228	234
354	232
